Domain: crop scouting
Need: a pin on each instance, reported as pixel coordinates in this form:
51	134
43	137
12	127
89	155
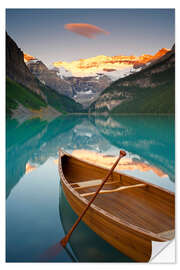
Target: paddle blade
51	252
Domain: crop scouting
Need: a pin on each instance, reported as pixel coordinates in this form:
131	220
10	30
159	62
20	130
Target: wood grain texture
128	220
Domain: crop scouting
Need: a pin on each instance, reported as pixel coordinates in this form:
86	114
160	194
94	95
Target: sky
53	34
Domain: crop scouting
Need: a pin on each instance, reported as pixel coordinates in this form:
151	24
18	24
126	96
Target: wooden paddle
68	235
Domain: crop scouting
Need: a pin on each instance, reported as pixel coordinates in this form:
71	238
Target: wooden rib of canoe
128	213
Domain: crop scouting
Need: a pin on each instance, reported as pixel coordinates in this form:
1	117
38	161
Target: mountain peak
161	52
102	63
28	57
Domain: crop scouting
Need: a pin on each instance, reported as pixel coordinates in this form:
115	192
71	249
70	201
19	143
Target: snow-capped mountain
108	65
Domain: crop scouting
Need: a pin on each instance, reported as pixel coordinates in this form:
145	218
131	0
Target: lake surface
37	213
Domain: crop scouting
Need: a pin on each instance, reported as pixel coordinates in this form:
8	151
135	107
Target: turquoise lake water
37	213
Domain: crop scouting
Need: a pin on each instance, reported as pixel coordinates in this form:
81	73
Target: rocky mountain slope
17	70
82	89
25	94
49	77
96	73
151	90
87	89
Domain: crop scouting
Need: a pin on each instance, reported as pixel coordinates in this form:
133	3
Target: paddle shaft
68	235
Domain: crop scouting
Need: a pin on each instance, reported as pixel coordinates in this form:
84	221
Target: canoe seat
167	234
90	183
113	190
87	183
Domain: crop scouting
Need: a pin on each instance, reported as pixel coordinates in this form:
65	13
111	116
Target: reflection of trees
21	141
30	141
36	140
150	137
86	244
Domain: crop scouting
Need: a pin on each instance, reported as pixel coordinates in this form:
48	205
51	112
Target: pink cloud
84	29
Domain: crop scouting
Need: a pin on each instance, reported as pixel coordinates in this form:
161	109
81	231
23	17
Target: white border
73	4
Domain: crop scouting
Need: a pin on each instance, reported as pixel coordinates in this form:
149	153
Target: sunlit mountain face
28	57
113	66
107	64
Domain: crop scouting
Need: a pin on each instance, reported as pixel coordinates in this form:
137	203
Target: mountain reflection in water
32	149
125	164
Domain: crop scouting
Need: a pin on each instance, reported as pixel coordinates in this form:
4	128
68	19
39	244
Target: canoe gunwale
140	232
117	171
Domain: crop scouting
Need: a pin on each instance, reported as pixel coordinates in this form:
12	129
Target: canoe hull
131	244
132	240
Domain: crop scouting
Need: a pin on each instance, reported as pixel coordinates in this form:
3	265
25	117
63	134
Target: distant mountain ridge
151	90
103	63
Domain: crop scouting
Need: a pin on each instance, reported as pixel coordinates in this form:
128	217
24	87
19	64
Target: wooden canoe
128	213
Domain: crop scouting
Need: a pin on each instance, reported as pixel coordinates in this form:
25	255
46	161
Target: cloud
84	29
